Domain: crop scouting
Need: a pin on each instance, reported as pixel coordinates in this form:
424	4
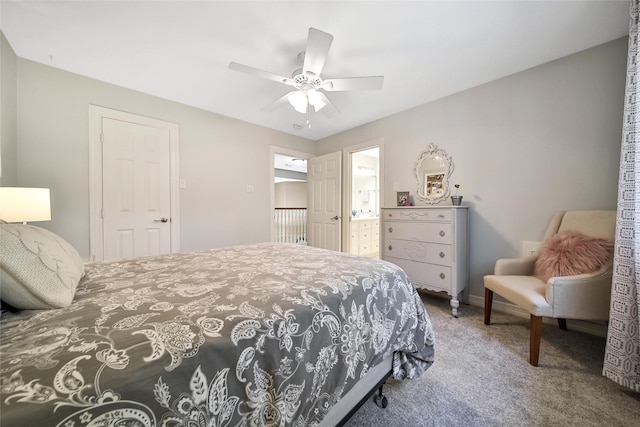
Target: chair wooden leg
488	300
534	339
562	323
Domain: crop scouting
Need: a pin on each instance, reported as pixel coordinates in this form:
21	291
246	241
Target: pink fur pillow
569	253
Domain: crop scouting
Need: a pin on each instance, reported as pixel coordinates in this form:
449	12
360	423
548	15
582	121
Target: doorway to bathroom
363	199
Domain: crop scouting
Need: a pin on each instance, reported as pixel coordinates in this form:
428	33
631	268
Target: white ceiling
426	50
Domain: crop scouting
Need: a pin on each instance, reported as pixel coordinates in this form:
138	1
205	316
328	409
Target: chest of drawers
431	245
365	237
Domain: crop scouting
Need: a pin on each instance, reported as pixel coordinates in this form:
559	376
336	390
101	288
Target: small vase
456	200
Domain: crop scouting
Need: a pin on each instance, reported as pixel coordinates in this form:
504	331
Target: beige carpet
481	377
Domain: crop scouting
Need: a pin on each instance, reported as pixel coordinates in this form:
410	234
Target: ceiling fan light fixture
315	99
298	101
307	81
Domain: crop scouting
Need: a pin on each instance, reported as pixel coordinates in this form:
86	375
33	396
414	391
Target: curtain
622	353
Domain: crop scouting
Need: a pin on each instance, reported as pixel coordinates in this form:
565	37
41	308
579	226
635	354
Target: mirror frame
431	152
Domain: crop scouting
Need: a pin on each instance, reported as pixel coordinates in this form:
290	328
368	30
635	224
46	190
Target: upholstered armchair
569	277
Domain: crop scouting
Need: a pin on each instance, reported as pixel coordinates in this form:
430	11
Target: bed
254	335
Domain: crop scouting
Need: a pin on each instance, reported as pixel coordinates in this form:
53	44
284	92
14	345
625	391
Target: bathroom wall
365	191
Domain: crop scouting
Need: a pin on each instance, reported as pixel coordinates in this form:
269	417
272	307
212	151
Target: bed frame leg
381	399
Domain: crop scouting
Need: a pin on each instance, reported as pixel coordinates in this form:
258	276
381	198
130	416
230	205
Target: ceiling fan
308	82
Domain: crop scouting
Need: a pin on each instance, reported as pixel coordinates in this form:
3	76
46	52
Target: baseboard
593	328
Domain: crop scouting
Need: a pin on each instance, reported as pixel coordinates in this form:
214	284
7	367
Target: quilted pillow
570	253
38	269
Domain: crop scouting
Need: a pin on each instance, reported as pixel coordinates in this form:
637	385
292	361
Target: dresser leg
454	306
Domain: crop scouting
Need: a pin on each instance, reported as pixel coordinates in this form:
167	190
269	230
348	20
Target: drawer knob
441	233
441	254
390	229
390	247
442	276
440	216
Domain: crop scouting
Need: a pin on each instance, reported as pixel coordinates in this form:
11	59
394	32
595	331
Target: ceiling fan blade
353	83
260	73
278	103
318	43
330	110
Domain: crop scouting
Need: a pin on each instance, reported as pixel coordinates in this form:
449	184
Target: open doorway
363	200
288	196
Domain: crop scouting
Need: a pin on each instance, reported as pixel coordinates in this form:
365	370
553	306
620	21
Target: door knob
163	219
335	217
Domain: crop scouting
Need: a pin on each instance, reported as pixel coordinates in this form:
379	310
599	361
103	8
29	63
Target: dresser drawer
429	276
366	248
367	224
413	214
432	253
422	231
365	234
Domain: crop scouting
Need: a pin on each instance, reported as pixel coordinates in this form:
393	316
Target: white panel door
324	180
136	190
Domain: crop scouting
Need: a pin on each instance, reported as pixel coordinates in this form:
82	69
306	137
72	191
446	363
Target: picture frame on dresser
431	244
402	198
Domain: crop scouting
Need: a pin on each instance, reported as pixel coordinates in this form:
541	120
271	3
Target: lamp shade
315	99
298	101
22	204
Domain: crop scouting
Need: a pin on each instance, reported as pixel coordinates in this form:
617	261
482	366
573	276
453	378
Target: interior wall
291	194
523	147
221	159
8	100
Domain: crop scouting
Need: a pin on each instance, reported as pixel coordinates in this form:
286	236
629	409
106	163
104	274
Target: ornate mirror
432	171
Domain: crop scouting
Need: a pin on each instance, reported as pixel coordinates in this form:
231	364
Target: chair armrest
515	266
585	296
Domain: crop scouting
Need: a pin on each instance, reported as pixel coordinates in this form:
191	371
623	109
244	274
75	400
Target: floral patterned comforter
254	335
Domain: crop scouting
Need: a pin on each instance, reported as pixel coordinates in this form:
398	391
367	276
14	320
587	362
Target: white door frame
96	114
347	185
273	150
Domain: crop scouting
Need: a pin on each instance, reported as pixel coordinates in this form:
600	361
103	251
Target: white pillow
38	269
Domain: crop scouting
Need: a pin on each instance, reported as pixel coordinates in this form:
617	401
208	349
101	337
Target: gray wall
524	146
8	100
219	157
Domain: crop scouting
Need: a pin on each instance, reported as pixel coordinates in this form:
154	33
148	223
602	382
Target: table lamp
22	204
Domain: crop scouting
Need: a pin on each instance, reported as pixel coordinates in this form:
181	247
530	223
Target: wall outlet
529	248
